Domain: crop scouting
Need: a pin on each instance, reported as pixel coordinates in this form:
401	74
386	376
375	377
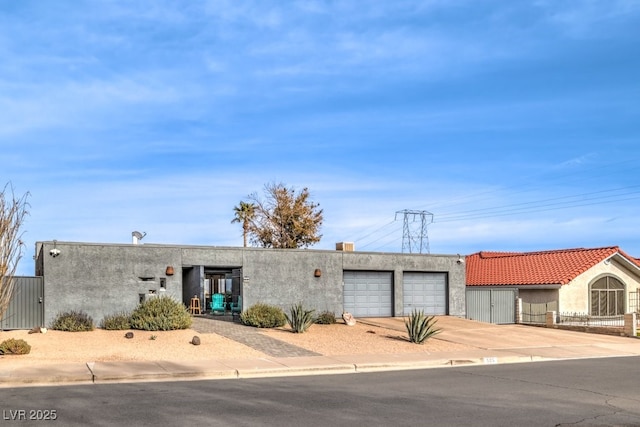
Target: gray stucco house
104	279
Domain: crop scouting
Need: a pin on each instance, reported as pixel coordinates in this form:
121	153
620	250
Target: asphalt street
587	392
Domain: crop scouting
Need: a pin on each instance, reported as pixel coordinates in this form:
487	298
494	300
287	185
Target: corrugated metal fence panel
479	304
492	305
26	308
503	305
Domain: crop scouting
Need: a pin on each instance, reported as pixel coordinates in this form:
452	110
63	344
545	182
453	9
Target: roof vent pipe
137	236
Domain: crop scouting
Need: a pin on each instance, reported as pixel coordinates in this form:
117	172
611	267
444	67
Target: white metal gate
424	291
368	293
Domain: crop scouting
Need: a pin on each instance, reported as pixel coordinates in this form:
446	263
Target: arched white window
607	297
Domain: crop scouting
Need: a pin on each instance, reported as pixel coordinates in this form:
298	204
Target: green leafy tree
285	218
244	214
12	213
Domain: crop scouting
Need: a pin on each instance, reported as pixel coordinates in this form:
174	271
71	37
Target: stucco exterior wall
538	296
286	277
575	297
103	279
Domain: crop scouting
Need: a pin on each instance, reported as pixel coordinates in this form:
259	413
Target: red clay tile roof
535	268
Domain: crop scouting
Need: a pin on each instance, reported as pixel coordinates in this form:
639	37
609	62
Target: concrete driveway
523	339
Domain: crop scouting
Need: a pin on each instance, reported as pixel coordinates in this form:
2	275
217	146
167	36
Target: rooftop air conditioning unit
345	246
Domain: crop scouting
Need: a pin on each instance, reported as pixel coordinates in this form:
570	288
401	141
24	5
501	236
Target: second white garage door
368	293
425	291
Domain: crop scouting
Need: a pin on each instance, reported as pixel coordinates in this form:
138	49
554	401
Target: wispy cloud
591	18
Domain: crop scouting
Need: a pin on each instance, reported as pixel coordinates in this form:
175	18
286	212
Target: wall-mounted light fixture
169	271
460	259
317	272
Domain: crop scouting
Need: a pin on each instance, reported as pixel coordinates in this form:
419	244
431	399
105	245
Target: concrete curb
72	373
485	346
130	372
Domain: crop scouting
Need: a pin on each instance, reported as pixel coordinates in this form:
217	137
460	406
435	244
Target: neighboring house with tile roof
597	281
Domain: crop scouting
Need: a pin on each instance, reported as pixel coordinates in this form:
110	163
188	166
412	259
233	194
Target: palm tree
244	213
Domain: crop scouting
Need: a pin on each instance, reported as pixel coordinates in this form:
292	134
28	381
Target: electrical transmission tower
414	232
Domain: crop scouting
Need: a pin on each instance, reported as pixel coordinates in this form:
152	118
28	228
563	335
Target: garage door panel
362	299
425	291
368	294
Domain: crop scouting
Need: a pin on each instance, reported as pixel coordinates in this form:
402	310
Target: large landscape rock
348	318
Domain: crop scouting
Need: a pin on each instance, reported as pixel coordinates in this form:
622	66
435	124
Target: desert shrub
326	318
14	346
300	319
263	316
73	321
160	314
116	322
420	327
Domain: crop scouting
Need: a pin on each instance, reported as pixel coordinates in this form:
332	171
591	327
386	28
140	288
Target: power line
595	174
374	231
594	198
542	208
394	231
556	199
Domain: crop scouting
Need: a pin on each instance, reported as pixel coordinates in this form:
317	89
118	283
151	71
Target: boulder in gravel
195	340
348	319
128	335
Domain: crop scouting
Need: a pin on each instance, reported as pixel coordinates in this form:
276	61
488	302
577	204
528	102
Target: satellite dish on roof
137	236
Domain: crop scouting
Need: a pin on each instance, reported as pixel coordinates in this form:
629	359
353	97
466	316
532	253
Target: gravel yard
101	345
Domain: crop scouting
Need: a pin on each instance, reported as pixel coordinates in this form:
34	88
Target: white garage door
368	293
425	291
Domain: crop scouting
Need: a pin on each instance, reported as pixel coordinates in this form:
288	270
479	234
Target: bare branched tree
285	218
12	213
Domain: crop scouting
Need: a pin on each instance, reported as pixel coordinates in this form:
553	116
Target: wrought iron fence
534	318
582	319
633	302
536	313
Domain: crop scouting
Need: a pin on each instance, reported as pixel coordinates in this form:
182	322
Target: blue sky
517	124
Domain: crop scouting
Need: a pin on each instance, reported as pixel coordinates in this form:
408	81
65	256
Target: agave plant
420	327
300	319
